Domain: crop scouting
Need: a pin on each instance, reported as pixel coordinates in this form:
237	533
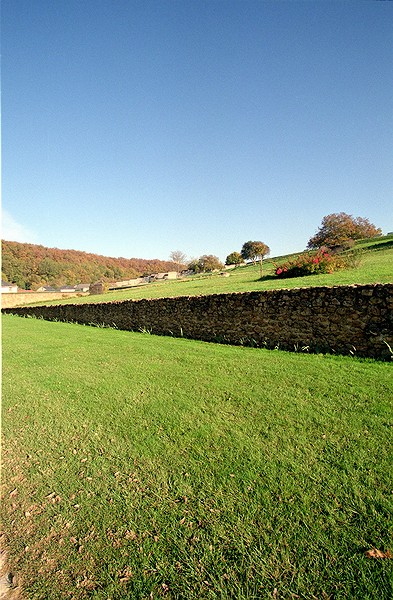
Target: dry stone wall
21	298
354	319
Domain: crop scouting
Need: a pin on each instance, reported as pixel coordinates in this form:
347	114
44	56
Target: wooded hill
31	265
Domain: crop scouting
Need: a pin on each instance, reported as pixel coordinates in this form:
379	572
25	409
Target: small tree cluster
235	258
250	251
255	251
338	229
205	264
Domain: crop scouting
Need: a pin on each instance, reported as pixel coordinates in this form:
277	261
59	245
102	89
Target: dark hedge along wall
354	319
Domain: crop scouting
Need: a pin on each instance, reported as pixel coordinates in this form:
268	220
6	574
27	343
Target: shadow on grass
381	245
268	278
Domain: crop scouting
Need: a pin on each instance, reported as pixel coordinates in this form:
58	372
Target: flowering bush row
310	264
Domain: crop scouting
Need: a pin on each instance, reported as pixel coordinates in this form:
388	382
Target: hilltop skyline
137	128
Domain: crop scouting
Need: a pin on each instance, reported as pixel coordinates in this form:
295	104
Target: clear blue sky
133	128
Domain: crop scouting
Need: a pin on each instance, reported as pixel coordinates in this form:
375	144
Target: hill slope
31	265
375	266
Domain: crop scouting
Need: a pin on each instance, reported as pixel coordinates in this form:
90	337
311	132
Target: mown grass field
143	467
375	266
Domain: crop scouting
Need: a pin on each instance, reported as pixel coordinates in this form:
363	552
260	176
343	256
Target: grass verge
144	467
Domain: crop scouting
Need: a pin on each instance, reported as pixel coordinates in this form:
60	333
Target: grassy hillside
145	467
376	266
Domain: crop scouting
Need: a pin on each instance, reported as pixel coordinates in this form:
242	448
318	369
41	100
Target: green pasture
145	467
375	266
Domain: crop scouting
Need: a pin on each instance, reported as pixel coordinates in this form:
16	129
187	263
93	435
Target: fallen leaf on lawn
375	553
87	584
131	535
183	520
13	493
125	575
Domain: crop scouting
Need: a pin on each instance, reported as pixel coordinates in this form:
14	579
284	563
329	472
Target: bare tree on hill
179	258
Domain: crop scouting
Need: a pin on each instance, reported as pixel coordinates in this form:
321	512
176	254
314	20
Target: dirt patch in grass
9	584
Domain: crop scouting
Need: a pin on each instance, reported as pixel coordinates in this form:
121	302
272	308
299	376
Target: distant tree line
31	265
253	251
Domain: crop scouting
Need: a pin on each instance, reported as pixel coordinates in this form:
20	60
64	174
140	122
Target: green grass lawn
376	266
144	467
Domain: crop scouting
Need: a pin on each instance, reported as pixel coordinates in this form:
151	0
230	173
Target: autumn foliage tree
209	262
338	229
